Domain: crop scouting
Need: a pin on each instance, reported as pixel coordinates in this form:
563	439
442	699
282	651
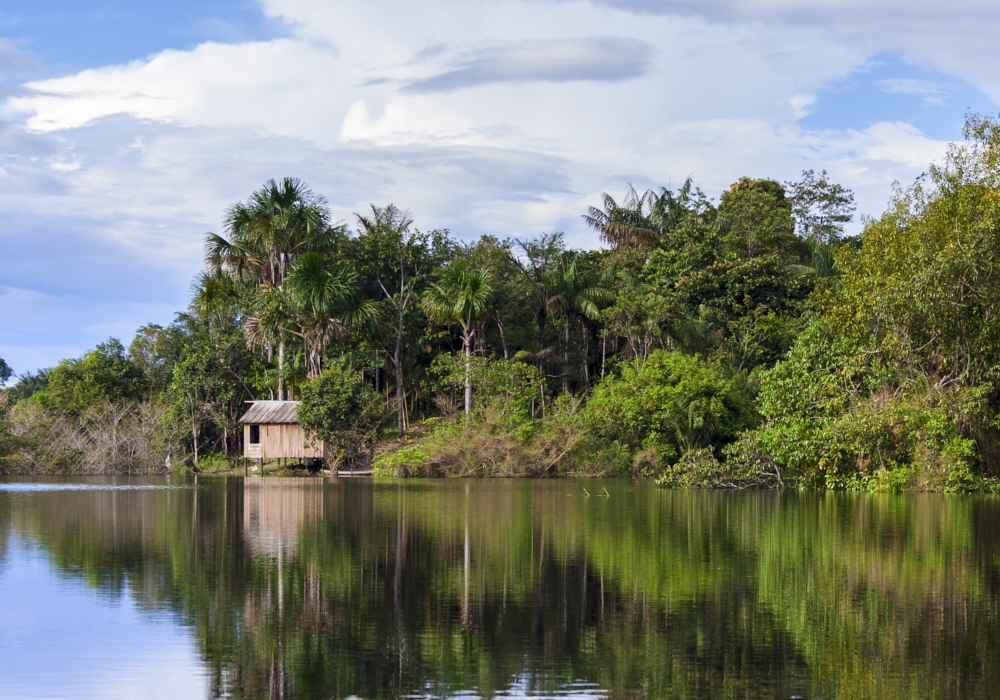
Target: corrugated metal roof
271	412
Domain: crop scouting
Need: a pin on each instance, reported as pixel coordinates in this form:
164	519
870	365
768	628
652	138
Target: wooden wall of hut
284	441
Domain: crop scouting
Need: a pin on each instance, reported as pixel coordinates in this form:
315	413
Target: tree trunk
194	436
281	370
503	340
467	338
604	353
565	357
398	360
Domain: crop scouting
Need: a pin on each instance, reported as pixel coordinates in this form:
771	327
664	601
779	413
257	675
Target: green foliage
821	207
709	345
752	307
755	218
340	410
509	389
104	374
671	404
156	350
493	445
405	461
29	384
462	295
836	417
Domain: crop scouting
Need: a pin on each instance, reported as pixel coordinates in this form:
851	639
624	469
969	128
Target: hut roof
271	412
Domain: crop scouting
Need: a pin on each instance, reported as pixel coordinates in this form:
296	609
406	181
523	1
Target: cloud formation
932	93
600	59
508	117
958	38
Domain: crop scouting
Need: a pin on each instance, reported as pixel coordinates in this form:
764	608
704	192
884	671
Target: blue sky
63	36
126	128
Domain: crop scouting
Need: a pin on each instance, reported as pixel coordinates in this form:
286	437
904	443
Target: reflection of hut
276	510
271	430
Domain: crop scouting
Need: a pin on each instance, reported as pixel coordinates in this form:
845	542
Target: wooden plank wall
284	441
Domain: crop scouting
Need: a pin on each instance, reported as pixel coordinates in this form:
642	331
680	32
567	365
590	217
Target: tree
5	371
821	207
574	291
340	409
751	309
538	256
398	260
644	221
329	303
155	350
516	297
104	374
462	295
822	265
208	383
279	222
755	218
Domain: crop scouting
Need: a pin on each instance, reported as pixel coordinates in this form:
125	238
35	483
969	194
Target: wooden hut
271	430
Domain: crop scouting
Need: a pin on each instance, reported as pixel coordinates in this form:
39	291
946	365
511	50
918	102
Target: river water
298	588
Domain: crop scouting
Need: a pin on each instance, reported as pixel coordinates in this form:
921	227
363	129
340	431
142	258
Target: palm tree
572	291
538	256
642	221
328	303
824	265
462	295
627	224
216	298
266	234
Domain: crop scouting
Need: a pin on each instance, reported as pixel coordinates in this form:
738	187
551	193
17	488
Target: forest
747	342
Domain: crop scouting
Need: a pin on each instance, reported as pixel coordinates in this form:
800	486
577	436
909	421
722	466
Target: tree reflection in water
308	589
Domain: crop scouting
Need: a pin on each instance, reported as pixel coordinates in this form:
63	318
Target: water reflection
301	589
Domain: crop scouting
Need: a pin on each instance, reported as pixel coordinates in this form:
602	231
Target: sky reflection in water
306	589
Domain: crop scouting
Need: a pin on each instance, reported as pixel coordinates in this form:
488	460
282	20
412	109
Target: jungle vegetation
744	342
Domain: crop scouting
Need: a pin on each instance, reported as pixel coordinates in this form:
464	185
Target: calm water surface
424	589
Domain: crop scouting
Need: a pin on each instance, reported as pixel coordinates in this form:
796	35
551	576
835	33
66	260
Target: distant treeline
744	343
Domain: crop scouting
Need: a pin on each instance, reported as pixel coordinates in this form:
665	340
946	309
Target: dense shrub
670	404
340	410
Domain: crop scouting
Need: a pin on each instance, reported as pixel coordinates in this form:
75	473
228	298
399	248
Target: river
302	588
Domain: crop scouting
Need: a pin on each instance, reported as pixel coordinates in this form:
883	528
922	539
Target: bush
107	438
670	404
837	417
492	446
340	410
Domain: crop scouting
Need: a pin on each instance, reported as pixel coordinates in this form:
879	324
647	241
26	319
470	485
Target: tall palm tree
642	221
627	224
265	235
462	295
328	303
573	291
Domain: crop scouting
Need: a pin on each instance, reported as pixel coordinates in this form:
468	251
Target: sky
126	128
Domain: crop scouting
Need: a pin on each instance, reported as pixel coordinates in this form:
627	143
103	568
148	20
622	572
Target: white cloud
958	38
506	117
931	92
600	59
801	104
